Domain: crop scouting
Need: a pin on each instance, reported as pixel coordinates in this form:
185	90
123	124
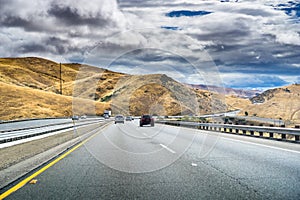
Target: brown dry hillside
30	87
42	74
161	95
277	103
20	102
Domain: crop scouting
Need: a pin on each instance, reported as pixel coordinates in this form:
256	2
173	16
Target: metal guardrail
19	134
41	126
277	133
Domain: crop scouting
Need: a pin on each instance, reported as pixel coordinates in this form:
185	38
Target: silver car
119	119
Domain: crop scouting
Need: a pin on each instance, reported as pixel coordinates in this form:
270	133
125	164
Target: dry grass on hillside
30	87
35	73
42	74
284	103
155	99
153	94
19	103
235	103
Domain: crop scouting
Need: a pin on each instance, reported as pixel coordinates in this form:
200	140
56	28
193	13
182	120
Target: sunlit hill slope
30	88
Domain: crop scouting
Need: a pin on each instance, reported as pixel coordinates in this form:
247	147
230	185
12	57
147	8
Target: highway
125	161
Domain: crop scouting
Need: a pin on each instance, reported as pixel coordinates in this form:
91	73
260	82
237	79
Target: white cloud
248	32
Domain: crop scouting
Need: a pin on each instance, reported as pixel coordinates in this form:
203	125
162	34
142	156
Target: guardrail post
283	136
271	135
244	132
261	134
252	133
296	138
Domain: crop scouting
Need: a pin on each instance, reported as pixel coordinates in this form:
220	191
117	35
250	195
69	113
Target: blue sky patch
187	13
174	28
258	81
292	9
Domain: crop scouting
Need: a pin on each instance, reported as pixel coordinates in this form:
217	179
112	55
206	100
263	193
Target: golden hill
30	87
36	83
161	95
280	103
21	102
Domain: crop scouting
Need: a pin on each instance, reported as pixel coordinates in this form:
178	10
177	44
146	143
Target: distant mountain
243	93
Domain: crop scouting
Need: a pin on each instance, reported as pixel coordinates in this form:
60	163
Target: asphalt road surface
165	162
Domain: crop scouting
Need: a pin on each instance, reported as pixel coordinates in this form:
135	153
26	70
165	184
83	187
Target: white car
119	119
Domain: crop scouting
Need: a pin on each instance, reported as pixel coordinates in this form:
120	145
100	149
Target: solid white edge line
167	148
262	145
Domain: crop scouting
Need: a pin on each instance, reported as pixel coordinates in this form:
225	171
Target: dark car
75	117
146	119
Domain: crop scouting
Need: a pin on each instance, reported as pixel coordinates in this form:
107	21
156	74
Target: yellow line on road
26	180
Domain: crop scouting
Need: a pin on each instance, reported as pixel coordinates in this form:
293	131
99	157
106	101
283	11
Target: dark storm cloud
59	44
153	55
70	16
52	45
14	21
29	48
28	23
257	60
19	22
226	36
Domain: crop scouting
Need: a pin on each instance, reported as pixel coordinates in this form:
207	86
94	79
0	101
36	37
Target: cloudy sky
234	43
